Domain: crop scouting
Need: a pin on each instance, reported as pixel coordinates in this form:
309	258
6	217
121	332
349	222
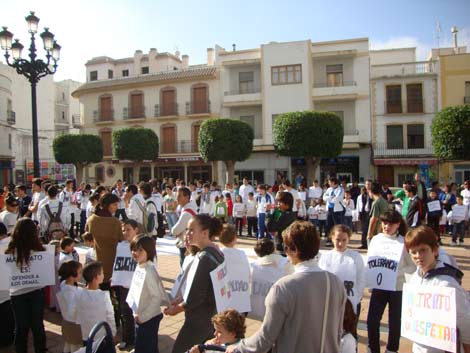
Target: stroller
210	348
102	345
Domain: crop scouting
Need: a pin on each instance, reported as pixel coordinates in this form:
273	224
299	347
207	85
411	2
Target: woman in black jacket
285	201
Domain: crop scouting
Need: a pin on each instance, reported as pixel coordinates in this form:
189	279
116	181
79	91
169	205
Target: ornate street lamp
33	69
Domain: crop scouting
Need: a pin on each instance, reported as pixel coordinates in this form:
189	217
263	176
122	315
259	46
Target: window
106	111
168	102
340	113
9	141
414	98
125	73
145	70
245	82
334	75
415	136
107	144
466	99
145	173
394	99
395	137
93	75
110	73
286	74
137	109
250	120
63	115
128	174
63	96
99	173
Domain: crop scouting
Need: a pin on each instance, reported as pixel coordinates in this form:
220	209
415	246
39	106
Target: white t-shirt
322	212
466	196
9	220
296	196
37	197
312	213
315	192
244	191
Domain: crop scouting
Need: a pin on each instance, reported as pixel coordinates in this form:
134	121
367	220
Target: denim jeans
146	335
239	225
378	301
333	219
347	220
261	225
458	229
29	314
171	219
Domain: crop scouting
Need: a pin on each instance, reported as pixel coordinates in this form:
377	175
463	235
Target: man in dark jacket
413	217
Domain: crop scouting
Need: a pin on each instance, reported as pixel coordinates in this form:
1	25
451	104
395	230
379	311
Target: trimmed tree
310	134
226	140
79	150
136	144
450	131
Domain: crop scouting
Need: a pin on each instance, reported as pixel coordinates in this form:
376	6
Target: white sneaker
122	345
454	243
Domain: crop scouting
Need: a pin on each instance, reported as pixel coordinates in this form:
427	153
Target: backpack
55	223
149	217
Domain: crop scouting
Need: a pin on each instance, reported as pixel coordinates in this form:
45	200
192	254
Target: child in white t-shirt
322	212
312	213
92	304
239	210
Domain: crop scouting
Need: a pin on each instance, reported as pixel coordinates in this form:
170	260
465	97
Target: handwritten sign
434	206
238	273
39	273
124	266
221	287
429	316
190	278
383	258
135	290
180	281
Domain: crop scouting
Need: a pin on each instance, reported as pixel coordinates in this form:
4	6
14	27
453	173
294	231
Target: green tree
135	144
79	150
310	134
226	140
450	131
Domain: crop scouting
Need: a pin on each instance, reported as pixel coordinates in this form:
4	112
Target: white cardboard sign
135	290
221	287
429	316
382	263
238	275
124	266
434	206
39	273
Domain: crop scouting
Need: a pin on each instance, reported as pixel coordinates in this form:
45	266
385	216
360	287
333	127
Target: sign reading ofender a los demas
39	272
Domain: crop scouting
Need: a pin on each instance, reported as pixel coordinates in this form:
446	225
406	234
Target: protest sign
220	284
190	278
135	290
124	266
383	258
238	279
40	271
429	316
434	206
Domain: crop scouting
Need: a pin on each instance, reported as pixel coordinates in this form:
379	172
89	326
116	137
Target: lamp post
33	69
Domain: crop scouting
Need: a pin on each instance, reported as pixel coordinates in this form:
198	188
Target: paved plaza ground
168	266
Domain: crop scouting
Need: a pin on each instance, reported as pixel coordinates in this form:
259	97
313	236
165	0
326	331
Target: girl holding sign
347	264
198	300
27	302
387	262
146	295
422	244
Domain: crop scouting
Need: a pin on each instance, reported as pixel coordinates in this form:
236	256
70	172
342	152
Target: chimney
185	62
234	47
454	31
210	57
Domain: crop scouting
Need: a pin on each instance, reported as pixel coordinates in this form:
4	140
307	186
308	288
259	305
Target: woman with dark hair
278	222
106	230
292	323
198	300
28	303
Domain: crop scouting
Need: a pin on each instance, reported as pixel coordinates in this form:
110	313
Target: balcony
11	117
240	97
404	69
166	110
198	107
405	107
103	115
133	113
381	150
181	146
325	91
76	123
351	132
466	100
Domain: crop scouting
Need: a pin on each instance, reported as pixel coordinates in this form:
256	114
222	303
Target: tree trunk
79	173
312	164
136	173
230	165
215	171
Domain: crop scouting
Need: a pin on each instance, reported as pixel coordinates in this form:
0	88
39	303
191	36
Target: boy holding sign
387	262
422	245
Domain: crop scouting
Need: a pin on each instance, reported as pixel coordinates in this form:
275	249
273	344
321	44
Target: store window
145	173
128	174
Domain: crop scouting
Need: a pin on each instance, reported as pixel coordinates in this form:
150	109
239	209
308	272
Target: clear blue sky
117	28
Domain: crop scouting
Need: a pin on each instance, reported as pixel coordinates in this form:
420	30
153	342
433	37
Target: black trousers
364	227
378	301
29	314
126	317
252	225
8	324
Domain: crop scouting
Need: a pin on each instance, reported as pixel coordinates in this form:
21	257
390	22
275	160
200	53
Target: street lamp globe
16	49
5	39
56	51
47	38
33	22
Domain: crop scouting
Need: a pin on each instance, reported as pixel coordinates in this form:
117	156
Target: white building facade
159	91
404	103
